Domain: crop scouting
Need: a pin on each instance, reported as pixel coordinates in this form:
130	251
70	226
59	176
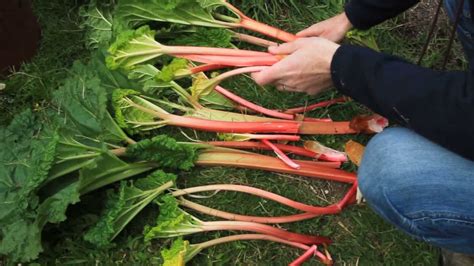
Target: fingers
270	75
313	31
265	77
286	48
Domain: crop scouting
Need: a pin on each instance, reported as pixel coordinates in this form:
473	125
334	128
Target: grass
361	237
62	43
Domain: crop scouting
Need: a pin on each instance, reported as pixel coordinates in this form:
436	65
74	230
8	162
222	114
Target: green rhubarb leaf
166	152
174	256
172	221
27	152
98	22
128	117
85	100
168	73
124	205
133	13
107	169
201	36
133	47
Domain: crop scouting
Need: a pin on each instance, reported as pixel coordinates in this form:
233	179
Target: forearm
437	105
364	14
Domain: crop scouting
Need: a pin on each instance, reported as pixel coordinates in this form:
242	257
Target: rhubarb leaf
107	169
128	117
133	13
172	221
133	47
84	101
27	152
174	256
205	37
166	152
168	72
98	22
123	206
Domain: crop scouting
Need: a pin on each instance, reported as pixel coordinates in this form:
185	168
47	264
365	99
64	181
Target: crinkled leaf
188	12
165	151
172	221
133	47
174	256
124	205
27	152
128	117
168	72
205	37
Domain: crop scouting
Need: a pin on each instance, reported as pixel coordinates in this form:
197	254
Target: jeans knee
380	165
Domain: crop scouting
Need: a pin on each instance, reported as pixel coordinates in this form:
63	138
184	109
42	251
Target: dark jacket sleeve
437	105
364	14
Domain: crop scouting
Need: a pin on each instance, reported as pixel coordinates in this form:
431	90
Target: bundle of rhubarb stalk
164	66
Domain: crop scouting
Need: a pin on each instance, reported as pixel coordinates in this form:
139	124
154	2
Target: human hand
333	29
307	68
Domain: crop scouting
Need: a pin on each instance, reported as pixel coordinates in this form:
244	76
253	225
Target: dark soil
418	20
19	33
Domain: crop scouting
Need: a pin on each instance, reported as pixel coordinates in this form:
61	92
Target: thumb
264	77
313	31
284	49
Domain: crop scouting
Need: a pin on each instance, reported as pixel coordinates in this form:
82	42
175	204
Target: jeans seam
411	228
420	215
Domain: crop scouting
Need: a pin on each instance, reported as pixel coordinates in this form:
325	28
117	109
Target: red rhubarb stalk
264	229
205	68
267	163
232	127
333	209
246	137
284	127
235	61
281	155
250	145
245	218
256	108
305	257
309	108
349	198
228	239
197	50
254	40
262	28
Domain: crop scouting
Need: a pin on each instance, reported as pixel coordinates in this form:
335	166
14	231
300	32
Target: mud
19	34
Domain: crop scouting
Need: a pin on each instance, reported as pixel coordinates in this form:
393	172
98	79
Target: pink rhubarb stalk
305	257
254	40
333	209
251	106
234	61
228	239
245	218
267	163
263	229
281	155
255	26
304	109
250	145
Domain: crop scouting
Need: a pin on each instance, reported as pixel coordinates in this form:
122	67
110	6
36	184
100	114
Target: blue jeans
421	188
465	27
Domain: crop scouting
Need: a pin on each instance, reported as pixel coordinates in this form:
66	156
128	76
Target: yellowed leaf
355	151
